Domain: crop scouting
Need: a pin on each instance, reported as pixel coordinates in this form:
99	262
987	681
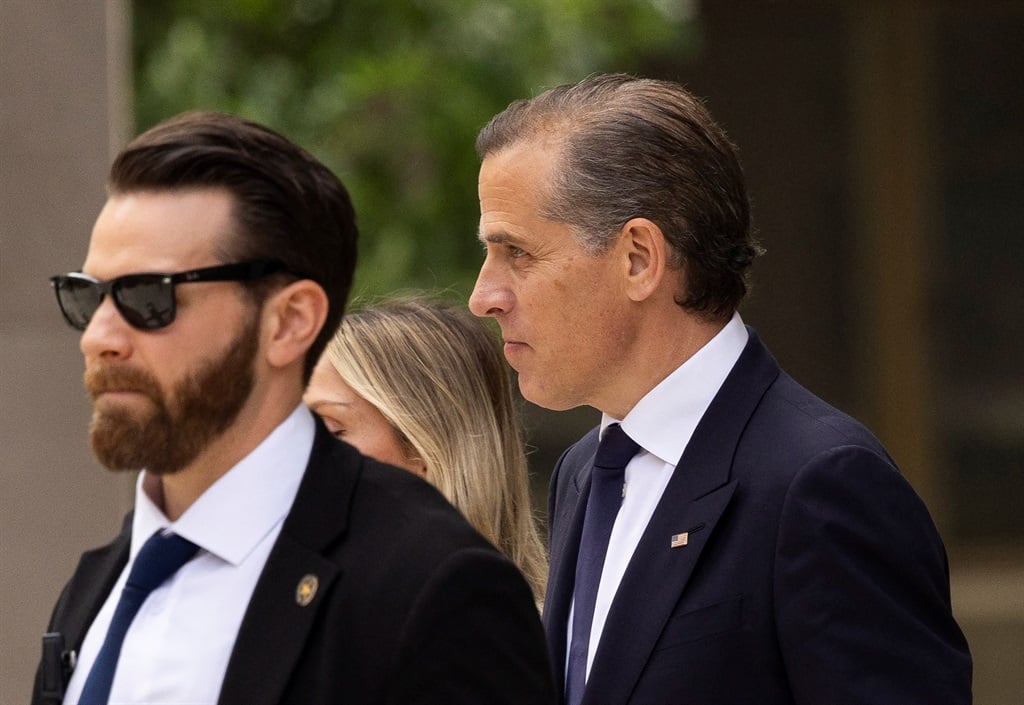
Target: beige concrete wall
63	95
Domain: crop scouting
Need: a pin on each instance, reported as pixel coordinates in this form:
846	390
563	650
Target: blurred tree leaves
391	93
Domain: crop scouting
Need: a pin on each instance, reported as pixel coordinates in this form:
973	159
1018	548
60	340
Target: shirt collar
663	421
237	511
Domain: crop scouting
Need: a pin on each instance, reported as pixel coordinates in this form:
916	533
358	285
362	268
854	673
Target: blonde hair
437	375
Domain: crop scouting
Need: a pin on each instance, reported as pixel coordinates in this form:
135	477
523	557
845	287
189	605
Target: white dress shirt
662	423
177	648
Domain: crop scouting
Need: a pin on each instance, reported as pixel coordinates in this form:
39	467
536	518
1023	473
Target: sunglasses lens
78	299
145	301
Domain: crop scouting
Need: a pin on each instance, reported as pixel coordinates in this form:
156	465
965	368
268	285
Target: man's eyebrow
498	238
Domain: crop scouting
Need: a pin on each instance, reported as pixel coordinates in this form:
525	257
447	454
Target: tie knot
616	449
158	559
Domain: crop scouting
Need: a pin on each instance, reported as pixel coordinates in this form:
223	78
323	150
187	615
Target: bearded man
264	561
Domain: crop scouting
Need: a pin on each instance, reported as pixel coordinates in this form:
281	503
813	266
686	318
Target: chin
543	397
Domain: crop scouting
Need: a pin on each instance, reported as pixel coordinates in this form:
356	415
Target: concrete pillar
893	173
64	97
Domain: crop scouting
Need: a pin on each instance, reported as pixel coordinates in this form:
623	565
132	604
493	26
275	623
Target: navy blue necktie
159	558
613	454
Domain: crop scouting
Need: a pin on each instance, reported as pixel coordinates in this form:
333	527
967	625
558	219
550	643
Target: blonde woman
423	385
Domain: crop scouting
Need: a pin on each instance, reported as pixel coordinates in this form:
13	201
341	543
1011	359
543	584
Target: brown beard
171	435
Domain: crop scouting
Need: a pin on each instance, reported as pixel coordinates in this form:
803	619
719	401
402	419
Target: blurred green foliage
391	93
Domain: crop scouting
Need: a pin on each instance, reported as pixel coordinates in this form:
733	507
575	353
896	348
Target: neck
175	492
658	349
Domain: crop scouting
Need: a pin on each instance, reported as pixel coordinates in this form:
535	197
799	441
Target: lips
113	390
96	394
514	349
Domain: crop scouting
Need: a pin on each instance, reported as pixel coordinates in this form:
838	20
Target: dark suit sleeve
51	677
473	636
861	589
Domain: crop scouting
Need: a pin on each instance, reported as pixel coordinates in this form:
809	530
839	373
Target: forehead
522	166
159	231
513	186
327	384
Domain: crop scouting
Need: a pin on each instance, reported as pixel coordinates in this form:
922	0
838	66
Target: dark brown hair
634	147
287	205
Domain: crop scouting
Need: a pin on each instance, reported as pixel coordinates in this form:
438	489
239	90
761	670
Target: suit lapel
694	500
650	589
85	594
564	552
278	610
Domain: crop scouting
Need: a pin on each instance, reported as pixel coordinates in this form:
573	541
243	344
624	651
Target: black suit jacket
812	574
413	606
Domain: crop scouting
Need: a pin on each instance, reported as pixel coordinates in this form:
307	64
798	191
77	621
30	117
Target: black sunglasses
146	301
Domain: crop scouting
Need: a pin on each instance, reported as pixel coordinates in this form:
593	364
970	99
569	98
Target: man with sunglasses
264	561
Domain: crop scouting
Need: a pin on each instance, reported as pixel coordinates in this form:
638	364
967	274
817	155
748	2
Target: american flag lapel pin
683	538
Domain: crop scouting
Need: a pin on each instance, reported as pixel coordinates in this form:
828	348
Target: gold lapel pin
306	590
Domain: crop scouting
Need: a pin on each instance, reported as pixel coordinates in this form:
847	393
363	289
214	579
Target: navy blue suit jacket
813	573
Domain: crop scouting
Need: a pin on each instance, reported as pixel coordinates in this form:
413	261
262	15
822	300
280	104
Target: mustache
119	379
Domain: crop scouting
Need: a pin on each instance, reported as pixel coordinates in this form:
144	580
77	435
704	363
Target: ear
647	252
292	319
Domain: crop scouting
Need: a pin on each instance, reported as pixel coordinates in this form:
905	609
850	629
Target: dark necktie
613	454
159	558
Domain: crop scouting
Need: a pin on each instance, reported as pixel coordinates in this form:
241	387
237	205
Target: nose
108	335
490	297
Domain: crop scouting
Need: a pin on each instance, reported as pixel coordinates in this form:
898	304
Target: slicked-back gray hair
635	147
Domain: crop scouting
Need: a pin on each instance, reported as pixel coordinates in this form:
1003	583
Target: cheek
377	441
593	330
